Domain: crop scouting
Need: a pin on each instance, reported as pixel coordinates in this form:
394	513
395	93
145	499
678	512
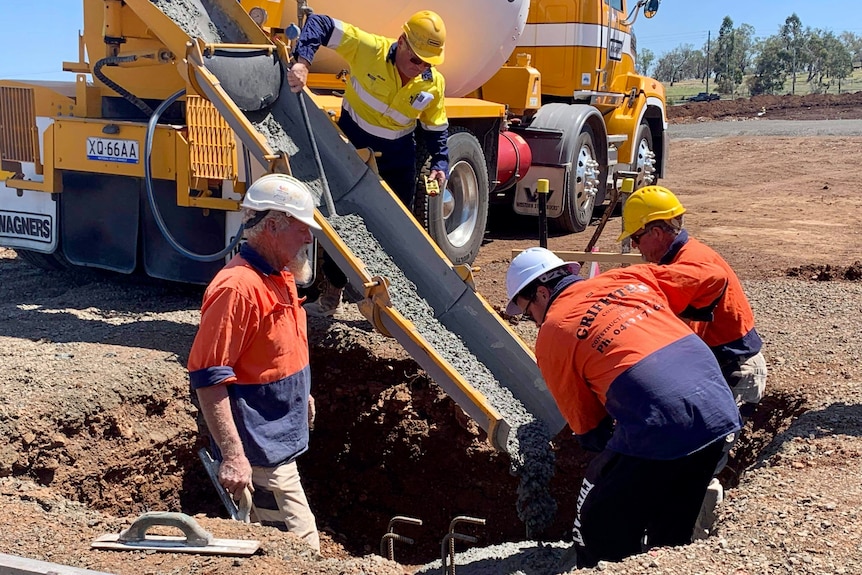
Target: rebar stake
390	537
447	546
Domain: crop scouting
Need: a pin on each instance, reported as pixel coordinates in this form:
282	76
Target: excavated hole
387	442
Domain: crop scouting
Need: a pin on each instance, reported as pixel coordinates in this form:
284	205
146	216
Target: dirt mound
808	107
827	272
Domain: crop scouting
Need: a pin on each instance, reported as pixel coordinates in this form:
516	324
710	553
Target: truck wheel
644	158
49	262
456	218
580	200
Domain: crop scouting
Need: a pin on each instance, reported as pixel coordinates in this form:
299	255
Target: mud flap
100	215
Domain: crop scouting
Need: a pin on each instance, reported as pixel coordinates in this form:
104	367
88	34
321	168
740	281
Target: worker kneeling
635	384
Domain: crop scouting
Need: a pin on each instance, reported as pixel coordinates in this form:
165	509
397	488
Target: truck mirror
651	7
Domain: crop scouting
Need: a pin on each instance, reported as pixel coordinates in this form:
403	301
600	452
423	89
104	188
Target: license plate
108	150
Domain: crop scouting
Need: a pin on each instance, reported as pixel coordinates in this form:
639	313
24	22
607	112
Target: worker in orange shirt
653	219
249	364
634	383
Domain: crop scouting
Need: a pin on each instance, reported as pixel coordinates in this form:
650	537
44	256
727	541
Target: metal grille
19	136
212	147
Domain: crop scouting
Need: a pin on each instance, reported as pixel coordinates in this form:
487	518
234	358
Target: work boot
327	303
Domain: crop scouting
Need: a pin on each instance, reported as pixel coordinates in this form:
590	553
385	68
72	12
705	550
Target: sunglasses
414	59
636	238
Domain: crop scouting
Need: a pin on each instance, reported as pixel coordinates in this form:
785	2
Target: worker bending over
635	384
392	85
653	219
249	360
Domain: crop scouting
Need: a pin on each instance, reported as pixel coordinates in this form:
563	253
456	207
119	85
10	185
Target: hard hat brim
513	309
309	221
427	57
432	60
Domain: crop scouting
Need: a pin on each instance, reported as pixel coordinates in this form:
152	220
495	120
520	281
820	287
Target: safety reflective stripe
380	107
435	128
571	34
373	129
337	35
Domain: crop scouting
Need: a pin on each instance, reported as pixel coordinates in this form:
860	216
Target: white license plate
108	150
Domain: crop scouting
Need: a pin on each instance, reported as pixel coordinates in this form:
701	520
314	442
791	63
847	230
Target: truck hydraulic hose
113	60
148	179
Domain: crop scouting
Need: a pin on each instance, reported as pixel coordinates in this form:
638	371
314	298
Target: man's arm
437	144
316	32
434	126
235	471
227	320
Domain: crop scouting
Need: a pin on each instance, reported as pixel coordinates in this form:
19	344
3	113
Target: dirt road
97	426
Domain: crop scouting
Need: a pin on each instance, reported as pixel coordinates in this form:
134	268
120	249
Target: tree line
780	63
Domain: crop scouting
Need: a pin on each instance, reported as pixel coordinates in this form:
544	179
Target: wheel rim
586	181
461	204
645	164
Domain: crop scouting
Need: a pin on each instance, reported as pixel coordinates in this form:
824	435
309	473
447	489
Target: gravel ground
796	509
764	127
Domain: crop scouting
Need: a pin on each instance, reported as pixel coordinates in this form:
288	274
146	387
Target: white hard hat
282	193
526	267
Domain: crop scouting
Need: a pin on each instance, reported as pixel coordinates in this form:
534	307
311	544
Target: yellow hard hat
426	34
648	204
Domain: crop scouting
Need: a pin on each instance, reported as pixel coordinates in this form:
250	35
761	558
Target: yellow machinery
145	167
140	162
541	89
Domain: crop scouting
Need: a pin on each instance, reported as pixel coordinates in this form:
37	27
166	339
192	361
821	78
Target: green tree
770	67
794	44
853	43
644	61
671	66
725	65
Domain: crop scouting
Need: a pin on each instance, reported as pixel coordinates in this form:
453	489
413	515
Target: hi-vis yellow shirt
375	98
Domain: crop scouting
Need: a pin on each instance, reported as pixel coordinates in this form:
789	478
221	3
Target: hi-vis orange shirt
253	338
613	345
731	333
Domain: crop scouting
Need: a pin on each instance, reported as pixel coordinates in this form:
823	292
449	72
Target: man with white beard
249	361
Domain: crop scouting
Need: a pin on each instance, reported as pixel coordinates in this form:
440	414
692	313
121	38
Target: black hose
148	179
327	194
112	60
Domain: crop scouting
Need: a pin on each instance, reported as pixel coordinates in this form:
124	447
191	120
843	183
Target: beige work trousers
280	499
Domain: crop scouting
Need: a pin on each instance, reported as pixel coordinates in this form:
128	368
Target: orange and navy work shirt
614	346
731	334
253	338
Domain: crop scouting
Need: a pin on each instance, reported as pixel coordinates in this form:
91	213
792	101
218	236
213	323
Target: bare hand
235	475
440	176
312	412
297	76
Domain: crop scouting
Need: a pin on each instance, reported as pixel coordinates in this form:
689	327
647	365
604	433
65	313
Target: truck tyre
578	203
643	158
456	218
49	262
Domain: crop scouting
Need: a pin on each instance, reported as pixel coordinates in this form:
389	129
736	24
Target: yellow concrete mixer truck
542	89
535	89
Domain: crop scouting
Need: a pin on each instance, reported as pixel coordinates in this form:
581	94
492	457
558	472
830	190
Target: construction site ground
96	425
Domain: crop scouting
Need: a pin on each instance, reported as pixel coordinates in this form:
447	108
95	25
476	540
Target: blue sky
37	50
686	22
